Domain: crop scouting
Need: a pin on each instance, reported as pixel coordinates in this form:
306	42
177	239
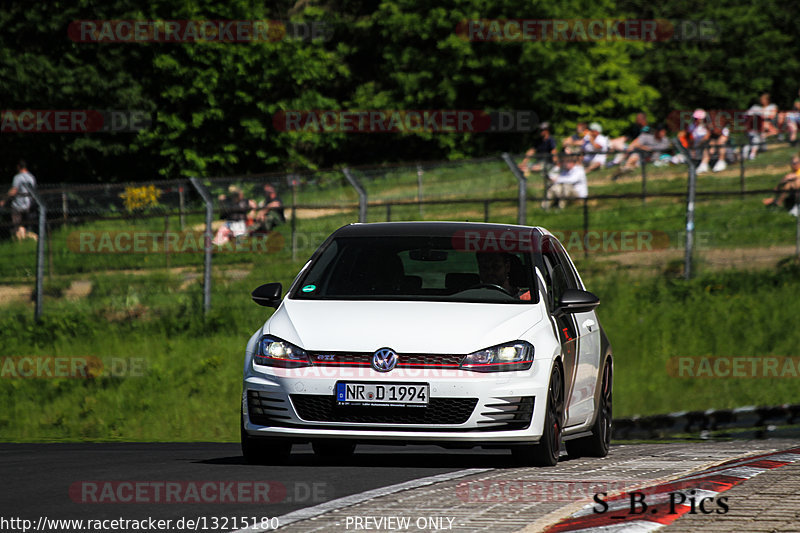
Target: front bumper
464	407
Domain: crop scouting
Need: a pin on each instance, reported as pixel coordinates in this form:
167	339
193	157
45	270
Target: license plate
383	394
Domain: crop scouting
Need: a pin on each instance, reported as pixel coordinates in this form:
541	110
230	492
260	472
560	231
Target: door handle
589	324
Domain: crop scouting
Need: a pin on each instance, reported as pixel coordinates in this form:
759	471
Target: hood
410	327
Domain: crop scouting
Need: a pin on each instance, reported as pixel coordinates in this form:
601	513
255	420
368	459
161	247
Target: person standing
21	201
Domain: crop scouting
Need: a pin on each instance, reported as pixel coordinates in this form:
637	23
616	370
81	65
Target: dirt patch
713	259
189	278
80	288
318	213
15	293
235	274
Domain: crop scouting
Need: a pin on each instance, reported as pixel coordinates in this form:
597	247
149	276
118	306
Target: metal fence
653	219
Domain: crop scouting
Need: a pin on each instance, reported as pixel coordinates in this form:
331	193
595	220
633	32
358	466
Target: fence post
741	169
586	228
181	206
522	189
64	208
797	231
209	235
166	240
687	261
545	180
362	194
643	163
419	188
294	217
39	249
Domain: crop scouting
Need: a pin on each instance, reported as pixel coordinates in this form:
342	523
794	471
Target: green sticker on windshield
309	288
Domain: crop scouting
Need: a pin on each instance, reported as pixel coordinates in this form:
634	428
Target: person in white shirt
764	116
21	201
597	143
568	181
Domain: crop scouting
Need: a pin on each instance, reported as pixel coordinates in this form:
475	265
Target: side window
560	275
569	275
559	284
554	276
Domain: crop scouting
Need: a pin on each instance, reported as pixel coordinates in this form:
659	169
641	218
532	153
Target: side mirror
268	295
576	301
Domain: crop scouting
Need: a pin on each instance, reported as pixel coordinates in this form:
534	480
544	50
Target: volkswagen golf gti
448	333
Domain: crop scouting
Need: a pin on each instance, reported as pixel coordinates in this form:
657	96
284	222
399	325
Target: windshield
416	268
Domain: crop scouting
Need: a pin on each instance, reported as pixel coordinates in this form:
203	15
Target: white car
447	333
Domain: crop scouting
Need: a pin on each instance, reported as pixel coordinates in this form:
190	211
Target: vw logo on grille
384	360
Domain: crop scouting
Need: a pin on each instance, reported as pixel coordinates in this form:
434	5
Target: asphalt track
50	480
37	478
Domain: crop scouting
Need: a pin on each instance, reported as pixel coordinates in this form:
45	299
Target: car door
557	282
581	399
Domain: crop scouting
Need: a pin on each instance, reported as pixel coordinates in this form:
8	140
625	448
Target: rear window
416	268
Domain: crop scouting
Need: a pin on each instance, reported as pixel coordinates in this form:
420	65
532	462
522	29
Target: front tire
597	444
260	451
546	452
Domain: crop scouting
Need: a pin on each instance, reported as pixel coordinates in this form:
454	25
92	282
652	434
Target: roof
434	229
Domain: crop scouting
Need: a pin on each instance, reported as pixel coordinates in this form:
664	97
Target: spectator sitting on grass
786	192
598	143
764	123
791	120
718	139
575	143
543	154
700	136
234	208
568	181
621	143
268	213
653	143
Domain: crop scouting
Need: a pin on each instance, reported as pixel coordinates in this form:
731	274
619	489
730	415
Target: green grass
190	389
138	309
724	222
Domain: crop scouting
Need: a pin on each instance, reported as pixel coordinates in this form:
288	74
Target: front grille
266	410
403	360
324	408
508	413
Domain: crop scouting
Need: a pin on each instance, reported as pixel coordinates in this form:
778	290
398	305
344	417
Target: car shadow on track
396	457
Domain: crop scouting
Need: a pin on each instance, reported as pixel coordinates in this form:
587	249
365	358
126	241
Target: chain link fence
193	233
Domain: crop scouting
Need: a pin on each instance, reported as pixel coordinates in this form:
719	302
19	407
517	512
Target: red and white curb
665	504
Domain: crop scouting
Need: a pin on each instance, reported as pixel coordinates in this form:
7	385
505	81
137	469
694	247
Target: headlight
271	351
503	358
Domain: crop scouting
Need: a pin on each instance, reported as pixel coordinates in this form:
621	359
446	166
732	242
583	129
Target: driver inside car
497	269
